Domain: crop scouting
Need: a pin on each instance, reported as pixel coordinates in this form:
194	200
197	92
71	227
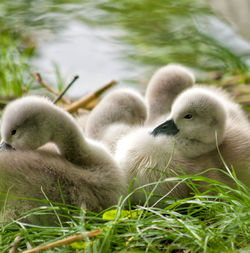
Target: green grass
206	222
161	32
153	34
15	70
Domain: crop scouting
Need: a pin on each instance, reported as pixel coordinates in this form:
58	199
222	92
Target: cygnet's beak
4	146
167	128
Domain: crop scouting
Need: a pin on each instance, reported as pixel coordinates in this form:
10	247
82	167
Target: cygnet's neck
68	137
193	148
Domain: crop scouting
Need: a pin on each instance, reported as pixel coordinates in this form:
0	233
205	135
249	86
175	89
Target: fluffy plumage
88	174
117	114
189	132
164	86
235	112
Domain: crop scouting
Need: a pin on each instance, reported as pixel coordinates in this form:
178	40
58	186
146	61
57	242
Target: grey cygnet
87	173
188	139
164	86
116	114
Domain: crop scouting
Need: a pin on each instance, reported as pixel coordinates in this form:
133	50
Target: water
88	52
105	40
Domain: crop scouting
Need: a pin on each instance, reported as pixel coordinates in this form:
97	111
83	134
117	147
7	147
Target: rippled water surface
125	40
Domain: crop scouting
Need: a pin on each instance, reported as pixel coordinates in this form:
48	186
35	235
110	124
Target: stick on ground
65	89
38	77
16	243
87	99
64	241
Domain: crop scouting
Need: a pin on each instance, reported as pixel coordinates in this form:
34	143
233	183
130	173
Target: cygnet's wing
38	175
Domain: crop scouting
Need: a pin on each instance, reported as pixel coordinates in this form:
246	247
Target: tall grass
205	222
154	33
15	69
161	32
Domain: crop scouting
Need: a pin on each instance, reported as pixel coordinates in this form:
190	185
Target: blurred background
104	40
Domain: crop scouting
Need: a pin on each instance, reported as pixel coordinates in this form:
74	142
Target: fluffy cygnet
166	83
87	173
197	118
115	116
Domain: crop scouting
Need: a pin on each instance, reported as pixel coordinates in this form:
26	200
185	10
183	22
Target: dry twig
87	99
15	244
64	241
65	89
38	77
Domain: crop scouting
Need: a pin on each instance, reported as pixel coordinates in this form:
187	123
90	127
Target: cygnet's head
164	86
197	118
23	125
124	107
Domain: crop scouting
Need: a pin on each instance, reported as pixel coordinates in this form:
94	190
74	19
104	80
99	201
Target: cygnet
186	141
169	81
164	86
116	114
87	173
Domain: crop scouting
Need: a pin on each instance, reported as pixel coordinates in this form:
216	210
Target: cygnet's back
36	175
116	115
166	83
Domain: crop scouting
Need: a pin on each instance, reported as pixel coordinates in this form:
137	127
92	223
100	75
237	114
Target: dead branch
64	241
65	89
92	104
87	99
38	77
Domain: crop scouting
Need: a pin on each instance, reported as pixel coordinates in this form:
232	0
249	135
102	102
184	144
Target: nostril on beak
4	146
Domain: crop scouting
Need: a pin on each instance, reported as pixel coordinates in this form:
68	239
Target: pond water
88	52
105	40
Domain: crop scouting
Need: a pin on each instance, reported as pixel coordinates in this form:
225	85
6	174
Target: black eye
188	116
13	132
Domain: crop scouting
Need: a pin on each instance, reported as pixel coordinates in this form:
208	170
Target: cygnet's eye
188	116
13	132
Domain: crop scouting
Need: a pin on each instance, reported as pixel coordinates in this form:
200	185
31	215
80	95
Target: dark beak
5	146
167	128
